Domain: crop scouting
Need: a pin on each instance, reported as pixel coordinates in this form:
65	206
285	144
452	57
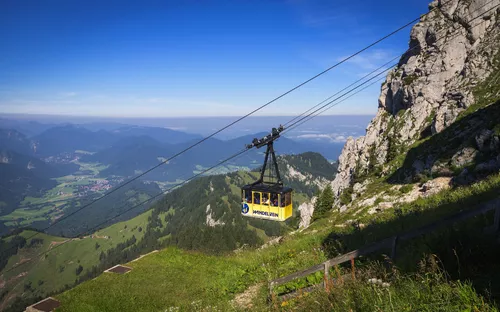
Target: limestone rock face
450	52
306	212
210	220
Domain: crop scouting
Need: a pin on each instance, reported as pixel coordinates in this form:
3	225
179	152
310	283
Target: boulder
436	185
464	157
483	140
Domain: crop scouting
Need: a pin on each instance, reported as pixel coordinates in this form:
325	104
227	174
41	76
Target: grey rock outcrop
306	212
464	157
450	51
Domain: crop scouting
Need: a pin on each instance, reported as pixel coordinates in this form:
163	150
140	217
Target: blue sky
191	58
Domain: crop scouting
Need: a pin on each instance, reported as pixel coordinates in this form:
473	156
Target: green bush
300	283
346	196
408	80
406	188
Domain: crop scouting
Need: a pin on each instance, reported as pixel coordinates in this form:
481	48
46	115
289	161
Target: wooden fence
392	242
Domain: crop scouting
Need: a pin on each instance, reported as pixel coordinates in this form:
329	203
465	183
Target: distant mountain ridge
69	137
127	157
163	135
29	128
65	139
13	140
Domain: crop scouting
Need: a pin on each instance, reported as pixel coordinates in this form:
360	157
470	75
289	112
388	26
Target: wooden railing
393	241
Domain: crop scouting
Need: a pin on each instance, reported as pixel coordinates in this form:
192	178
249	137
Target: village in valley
82	184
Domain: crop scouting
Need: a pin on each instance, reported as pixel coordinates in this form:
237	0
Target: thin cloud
370	60
68	94
320	21
320	13
330	137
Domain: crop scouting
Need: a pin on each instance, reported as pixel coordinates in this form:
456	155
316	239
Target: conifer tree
323	203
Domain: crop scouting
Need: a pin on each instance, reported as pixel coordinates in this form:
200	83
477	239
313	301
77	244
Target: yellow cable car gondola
267	199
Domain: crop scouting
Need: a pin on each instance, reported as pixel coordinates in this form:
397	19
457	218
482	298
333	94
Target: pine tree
323	203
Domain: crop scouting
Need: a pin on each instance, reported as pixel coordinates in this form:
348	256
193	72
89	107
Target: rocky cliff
450	70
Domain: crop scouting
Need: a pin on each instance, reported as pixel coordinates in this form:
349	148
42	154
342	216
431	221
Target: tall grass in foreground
429	289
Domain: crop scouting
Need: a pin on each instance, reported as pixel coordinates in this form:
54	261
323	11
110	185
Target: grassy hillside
212	286
417	282
50	265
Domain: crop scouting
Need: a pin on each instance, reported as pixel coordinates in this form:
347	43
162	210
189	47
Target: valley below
64	168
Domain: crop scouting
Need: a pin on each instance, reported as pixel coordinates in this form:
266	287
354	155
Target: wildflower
386	285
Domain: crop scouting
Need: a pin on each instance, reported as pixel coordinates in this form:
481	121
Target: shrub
408	80
346	196
406	188
79	270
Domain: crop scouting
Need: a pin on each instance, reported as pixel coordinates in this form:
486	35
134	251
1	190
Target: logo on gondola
245	208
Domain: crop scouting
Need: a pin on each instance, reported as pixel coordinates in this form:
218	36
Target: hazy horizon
324	128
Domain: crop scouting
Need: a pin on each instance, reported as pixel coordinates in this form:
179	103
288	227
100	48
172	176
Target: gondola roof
267	187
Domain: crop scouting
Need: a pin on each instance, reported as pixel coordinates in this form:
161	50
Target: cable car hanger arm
268	141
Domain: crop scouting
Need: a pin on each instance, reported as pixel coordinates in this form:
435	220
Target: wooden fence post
496	221
326	275
394	246
353	269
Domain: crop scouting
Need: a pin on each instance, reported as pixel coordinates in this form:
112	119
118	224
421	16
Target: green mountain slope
212	206
172	279
179	219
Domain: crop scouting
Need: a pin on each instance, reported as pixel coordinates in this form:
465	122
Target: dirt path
97	236
3	304
3	283
244	300
55	243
